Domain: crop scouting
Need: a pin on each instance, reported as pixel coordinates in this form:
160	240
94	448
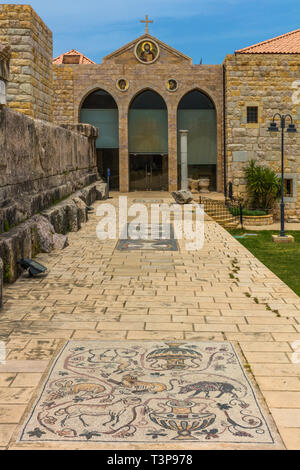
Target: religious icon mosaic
122	84
147	51
172	85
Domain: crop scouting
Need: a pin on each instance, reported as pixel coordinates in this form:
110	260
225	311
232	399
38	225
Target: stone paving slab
92	291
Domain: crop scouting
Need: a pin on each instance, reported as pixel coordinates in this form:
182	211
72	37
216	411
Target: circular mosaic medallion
147	51
122	84
172	85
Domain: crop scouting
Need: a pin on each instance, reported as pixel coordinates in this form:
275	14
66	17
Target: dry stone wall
40	164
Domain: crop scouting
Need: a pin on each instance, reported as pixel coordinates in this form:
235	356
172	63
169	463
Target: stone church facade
144	93
77	82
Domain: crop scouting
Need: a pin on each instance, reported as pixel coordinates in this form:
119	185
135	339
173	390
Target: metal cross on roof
147	21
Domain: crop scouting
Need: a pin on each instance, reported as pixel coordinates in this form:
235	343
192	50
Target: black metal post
282	206
230	192
241	216
291	128
108	183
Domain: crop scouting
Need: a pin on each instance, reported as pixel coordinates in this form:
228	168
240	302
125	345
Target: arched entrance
148	142
100	109
197	114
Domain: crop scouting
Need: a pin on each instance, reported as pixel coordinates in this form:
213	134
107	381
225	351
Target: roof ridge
149	36
267	41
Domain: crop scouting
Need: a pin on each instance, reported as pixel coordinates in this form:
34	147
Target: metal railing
228	213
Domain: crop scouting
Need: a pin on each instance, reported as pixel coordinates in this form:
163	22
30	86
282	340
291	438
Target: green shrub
253	212
6	273
263	186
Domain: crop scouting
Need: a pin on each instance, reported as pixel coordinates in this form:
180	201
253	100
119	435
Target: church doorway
148	172
100	109
197	114
148	142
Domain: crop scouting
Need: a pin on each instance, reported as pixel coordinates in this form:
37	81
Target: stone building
30	87
139	104
144	93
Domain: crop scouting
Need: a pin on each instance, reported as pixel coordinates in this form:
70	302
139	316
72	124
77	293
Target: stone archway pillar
184	159
123	151
172	149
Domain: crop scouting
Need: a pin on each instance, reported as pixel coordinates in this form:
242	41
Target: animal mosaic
135	392
208	387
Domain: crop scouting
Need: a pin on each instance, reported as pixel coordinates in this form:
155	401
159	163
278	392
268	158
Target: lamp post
274	128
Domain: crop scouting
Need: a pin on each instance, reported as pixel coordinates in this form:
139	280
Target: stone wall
63	98
35	235
30	87
73	83
41	163
270	82
45	232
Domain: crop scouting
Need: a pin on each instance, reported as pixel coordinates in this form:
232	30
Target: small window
71	59
252	114
288	187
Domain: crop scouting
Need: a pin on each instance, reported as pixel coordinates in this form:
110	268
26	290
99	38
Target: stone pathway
93	291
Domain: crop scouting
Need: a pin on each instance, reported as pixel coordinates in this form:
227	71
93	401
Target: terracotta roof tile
82	58
288	43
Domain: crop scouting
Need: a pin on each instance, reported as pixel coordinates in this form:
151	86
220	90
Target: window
252	114
288	187
71	59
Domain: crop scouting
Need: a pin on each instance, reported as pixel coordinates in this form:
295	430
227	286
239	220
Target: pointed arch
196	113
148	141
99	108
148	123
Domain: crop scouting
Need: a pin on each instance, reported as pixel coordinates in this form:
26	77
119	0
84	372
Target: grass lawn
283	260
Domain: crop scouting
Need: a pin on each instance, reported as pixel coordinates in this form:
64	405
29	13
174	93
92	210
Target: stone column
123	150
172	149
184	159
2	92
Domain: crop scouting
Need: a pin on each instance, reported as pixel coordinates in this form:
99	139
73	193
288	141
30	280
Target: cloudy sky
207	29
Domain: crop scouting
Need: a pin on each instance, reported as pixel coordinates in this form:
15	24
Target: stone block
47	239
101	191
82	210
182	197
286	239
88	194
59	241
14	245
240	156
239	132
72	217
